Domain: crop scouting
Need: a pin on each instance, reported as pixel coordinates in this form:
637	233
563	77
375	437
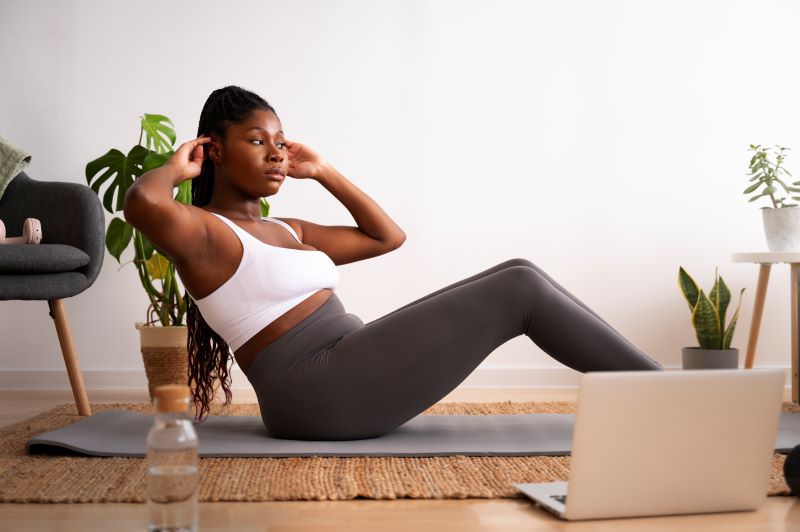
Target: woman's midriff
245	354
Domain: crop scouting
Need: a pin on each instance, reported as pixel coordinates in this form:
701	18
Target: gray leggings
332	377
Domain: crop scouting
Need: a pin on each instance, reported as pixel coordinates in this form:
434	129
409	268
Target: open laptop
668	442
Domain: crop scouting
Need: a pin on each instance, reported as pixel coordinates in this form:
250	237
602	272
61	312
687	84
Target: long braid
209	354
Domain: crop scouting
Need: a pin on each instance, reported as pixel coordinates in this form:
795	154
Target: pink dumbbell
31	233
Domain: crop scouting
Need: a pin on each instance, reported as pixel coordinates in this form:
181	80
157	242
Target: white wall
604	141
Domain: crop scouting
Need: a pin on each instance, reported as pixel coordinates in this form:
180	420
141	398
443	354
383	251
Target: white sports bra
269	281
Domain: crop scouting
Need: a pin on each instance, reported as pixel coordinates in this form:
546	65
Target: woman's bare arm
376	233
176	229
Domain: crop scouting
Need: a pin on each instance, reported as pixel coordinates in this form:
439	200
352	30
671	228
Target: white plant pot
782	228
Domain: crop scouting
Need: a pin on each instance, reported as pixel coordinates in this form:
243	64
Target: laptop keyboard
560	498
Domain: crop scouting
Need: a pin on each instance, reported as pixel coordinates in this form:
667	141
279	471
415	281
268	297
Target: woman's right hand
188	158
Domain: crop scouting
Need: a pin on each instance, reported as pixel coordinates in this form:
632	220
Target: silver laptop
668	442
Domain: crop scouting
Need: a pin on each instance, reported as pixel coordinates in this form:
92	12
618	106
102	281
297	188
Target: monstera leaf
184	194
118	237
148	246
157	266
121	169
154	160
157	133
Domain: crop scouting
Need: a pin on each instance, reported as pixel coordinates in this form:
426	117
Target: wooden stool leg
59	314
793	280
758	309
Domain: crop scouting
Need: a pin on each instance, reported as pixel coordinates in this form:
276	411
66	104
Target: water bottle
172	463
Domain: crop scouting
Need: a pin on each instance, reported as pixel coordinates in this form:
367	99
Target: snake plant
708	312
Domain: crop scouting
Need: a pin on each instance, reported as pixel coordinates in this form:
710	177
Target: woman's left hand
304	162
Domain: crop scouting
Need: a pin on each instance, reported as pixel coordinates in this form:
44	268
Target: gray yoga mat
123	433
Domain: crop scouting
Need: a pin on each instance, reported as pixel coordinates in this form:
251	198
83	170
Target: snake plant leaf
158	133
121	169
706	323
720	297
728	336
688	287
158	266
118	236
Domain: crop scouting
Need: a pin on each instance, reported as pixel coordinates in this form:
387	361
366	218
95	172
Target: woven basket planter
164	353
166	357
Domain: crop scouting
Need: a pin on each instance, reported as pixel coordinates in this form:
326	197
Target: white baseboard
486	377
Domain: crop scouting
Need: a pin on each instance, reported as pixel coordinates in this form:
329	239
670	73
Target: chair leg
59	315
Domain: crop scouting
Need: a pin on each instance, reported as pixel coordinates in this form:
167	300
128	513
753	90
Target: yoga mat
123	433
41	478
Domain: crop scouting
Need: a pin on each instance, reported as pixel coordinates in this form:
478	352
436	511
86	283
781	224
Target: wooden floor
776	515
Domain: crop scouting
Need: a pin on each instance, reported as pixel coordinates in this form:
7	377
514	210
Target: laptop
669	442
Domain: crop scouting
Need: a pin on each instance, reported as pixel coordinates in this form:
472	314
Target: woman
263	288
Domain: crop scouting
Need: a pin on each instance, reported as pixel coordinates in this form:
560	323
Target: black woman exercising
263	289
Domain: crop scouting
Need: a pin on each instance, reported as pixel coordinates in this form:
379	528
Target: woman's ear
215	150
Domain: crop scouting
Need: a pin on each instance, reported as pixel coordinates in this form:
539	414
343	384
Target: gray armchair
65	263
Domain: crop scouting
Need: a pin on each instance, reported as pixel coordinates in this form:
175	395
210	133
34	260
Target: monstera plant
116	172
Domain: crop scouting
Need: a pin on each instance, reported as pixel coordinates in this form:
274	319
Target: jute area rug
37	478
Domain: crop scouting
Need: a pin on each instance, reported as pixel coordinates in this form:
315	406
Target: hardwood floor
777	514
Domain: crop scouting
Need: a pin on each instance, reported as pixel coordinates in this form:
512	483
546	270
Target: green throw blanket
12	160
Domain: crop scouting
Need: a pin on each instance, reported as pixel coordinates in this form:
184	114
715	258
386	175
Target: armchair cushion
40	258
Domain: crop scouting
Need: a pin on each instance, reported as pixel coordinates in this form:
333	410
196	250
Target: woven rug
36	478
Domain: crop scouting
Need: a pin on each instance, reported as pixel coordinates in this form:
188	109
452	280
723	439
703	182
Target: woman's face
251	151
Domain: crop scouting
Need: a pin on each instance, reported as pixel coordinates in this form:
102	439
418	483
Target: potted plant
781	221
163	334
708	318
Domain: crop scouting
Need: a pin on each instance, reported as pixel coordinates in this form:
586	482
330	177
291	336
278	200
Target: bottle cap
171	397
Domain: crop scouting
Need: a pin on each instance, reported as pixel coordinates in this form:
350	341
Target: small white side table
765	261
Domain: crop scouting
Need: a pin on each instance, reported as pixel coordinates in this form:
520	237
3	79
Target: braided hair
209	354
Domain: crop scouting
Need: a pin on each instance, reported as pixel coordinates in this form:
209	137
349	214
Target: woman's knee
539	277
518	262
525	281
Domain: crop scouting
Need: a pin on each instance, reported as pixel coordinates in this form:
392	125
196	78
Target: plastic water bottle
172	463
